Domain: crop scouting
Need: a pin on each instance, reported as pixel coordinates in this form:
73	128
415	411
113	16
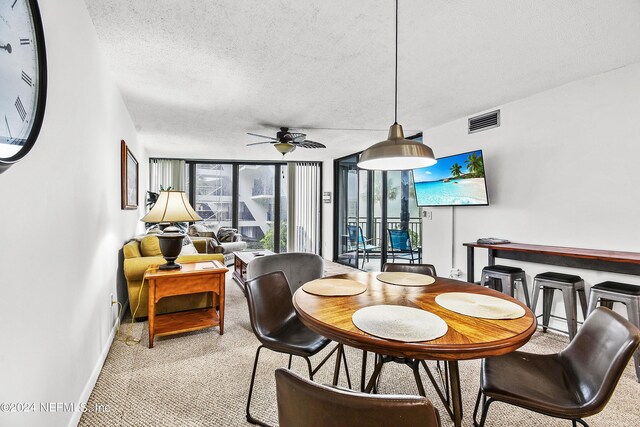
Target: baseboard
93	378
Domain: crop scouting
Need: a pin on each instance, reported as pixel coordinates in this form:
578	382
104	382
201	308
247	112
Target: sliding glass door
244	196
256	205
346	209
403	212
367	205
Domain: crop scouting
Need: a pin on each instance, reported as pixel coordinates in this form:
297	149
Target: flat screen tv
456	180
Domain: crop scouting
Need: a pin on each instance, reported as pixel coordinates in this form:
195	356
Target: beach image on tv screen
454	180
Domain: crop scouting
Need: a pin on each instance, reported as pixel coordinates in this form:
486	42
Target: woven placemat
479	305
405	279
334	287
399	323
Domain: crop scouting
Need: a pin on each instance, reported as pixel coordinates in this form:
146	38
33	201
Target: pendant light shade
396	153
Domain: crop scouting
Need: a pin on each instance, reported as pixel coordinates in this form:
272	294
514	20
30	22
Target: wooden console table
242	258
588	259
193	277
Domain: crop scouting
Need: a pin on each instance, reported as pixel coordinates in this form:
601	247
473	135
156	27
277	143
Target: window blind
303	232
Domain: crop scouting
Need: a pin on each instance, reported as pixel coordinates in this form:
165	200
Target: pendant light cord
396	87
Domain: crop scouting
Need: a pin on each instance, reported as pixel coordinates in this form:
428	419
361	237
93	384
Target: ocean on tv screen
454	192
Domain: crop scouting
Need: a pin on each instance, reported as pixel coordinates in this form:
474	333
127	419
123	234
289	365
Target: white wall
562	170
62	228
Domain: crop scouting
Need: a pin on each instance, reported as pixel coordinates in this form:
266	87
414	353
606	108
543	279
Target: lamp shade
396	153
172	206
284	147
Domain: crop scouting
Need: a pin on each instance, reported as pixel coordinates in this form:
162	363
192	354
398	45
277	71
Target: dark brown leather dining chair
302	403
277	327
427	269
573	384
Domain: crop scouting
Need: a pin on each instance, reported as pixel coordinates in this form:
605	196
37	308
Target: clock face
22	78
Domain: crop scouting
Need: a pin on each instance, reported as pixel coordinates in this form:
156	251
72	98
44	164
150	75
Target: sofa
142	252
223	240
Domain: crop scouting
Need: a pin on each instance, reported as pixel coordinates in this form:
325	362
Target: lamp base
170	265
170	246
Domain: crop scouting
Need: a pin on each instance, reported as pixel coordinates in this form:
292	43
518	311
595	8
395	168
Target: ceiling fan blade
268	124
310	144
258	143
262	136
298	137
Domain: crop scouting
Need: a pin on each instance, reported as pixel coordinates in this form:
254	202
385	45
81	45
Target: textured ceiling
197	75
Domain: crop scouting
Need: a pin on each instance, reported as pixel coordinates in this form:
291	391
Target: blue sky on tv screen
442	169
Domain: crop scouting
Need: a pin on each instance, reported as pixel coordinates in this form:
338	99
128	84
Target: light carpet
202	379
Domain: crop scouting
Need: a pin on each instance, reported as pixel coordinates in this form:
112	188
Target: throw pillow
210	226
154	229
150	246
188	248
132	250
226	234
215	241
203	230
196	230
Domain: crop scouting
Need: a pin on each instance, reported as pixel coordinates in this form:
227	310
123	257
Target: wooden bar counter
588	259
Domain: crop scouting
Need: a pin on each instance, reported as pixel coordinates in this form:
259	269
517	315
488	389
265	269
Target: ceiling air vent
484	121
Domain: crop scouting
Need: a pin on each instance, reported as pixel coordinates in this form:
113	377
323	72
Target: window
250	197
213	193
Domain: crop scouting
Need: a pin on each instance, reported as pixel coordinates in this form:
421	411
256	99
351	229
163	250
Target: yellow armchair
139	256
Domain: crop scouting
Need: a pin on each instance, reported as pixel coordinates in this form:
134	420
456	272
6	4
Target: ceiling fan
286	141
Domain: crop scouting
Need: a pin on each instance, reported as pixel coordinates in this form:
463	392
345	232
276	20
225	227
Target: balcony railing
414	227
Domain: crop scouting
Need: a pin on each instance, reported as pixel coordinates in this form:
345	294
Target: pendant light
396	152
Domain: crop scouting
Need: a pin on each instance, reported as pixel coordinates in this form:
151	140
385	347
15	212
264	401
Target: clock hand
7	122
7	47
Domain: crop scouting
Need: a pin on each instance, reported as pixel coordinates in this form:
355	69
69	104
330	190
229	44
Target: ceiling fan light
396	153
284	147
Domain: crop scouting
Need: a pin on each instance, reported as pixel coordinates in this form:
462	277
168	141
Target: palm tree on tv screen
456	170
474	164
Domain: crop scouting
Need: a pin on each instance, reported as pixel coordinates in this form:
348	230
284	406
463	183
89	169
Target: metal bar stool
508	276
570	285
629	295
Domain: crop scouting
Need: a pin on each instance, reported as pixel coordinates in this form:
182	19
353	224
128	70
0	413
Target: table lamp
172	206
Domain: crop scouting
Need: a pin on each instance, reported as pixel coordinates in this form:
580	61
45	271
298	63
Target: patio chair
358	242
401	247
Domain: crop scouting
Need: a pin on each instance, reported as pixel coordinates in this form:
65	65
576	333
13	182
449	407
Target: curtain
166	173
303	230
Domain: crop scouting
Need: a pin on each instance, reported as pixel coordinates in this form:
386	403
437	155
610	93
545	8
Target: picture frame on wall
129	178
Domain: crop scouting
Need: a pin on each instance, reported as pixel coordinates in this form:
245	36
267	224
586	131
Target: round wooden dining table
467	337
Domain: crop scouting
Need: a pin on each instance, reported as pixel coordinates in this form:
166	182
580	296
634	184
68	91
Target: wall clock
23	79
